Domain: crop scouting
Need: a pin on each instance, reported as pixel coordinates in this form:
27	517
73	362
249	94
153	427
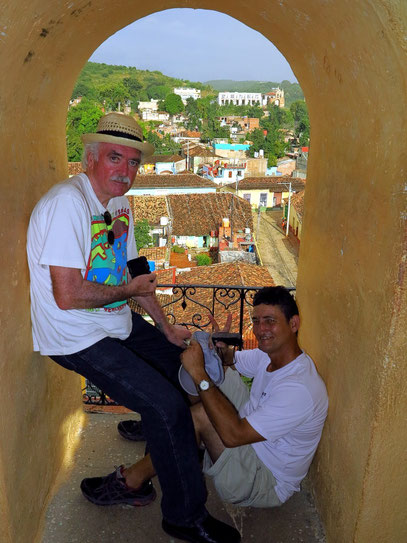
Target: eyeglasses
108	221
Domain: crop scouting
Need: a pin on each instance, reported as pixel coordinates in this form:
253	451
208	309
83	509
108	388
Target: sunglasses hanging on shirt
108	221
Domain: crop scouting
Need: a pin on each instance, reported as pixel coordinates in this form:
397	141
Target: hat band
119	134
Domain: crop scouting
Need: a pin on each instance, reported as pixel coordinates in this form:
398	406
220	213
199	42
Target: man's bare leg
139	472
143	470
205	432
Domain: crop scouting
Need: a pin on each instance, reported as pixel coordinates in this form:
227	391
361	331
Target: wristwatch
204	385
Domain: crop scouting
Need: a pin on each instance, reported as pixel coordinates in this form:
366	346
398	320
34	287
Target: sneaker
131	429
208	530
113	490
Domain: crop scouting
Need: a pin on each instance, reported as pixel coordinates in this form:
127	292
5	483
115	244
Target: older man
80	239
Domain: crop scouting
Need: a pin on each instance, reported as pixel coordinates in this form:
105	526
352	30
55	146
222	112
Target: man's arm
175	334
232	430
72	291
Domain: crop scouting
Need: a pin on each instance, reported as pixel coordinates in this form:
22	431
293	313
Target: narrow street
278	252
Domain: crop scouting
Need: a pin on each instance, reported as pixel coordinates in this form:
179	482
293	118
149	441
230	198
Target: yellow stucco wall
350	58
295	222
255	196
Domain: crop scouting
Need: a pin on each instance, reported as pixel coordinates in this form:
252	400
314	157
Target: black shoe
131	429
112	490
209	530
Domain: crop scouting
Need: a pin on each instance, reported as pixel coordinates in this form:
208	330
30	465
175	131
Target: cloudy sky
198	45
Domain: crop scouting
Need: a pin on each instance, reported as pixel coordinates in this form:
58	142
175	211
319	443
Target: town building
275	96
163	165
224	172
266	192
186	93
152	105
240	98
196	221
155	185
301	163
296	213
161	116
231	150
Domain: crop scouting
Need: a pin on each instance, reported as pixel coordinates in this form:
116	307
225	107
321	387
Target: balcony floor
72	519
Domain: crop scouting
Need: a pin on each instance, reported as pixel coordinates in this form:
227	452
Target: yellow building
296	213
265	192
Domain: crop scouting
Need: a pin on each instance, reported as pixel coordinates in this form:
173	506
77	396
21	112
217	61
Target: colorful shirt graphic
108	263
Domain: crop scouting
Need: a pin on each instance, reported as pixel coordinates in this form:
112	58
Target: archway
351	62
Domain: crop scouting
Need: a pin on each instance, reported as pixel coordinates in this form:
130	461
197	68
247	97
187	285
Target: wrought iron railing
189	305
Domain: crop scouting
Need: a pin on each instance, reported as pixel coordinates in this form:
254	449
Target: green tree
158	92
132	85
173	104
111	94
272	143
254	111
162	145
299	111
142	234
203	259
81	119
192	111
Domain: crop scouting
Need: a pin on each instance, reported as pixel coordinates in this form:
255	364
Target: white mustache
121	178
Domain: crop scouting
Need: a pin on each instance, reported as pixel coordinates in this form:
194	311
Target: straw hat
121	129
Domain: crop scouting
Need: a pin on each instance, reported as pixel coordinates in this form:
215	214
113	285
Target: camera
228	338
138	266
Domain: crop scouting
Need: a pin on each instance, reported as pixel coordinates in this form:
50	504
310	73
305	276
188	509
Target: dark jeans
141	373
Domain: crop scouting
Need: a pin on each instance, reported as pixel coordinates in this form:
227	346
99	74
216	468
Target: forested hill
118	83
112	84
292	91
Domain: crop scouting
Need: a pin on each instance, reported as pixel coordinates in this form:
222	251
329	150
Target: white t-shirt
67	229
288	407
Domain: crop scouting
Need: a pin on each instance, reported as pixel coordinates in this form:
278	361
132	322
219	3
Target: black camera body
228	338
138	266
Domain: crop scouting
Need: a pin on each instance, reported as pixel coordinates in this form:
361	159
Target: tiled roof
193	214
231	274
172	181
190	134
198	214
153	253
297	201
74	168
273	184
180	260
200	152
165	276
163	158
151	208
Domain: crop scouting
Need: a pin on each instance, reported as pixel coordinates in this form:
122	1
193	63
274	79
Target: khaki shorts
239	476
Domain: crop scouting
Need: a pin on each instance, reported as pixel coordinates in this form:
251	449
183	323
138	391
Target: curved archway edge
350	59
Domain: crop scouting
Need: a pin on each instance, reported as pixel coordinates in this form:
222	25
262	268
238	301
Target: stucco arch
350	58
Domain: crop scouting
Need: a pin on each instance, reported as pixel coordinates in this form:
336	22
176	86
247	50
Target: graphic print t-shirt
67	228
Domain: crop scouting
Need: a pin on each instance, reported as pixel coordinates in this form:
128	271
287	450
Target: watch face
204	385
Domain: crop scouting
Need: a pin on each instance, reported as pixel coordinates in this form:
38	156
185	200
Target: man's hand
194	362
177	334
142	285
226	353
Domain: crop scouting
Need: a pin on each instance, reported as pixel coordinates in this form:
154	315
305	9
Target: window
263	199
247	197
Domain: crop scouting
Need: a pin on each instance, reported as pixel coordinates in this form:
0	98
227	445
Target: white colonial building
186	93
276	96
240	98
